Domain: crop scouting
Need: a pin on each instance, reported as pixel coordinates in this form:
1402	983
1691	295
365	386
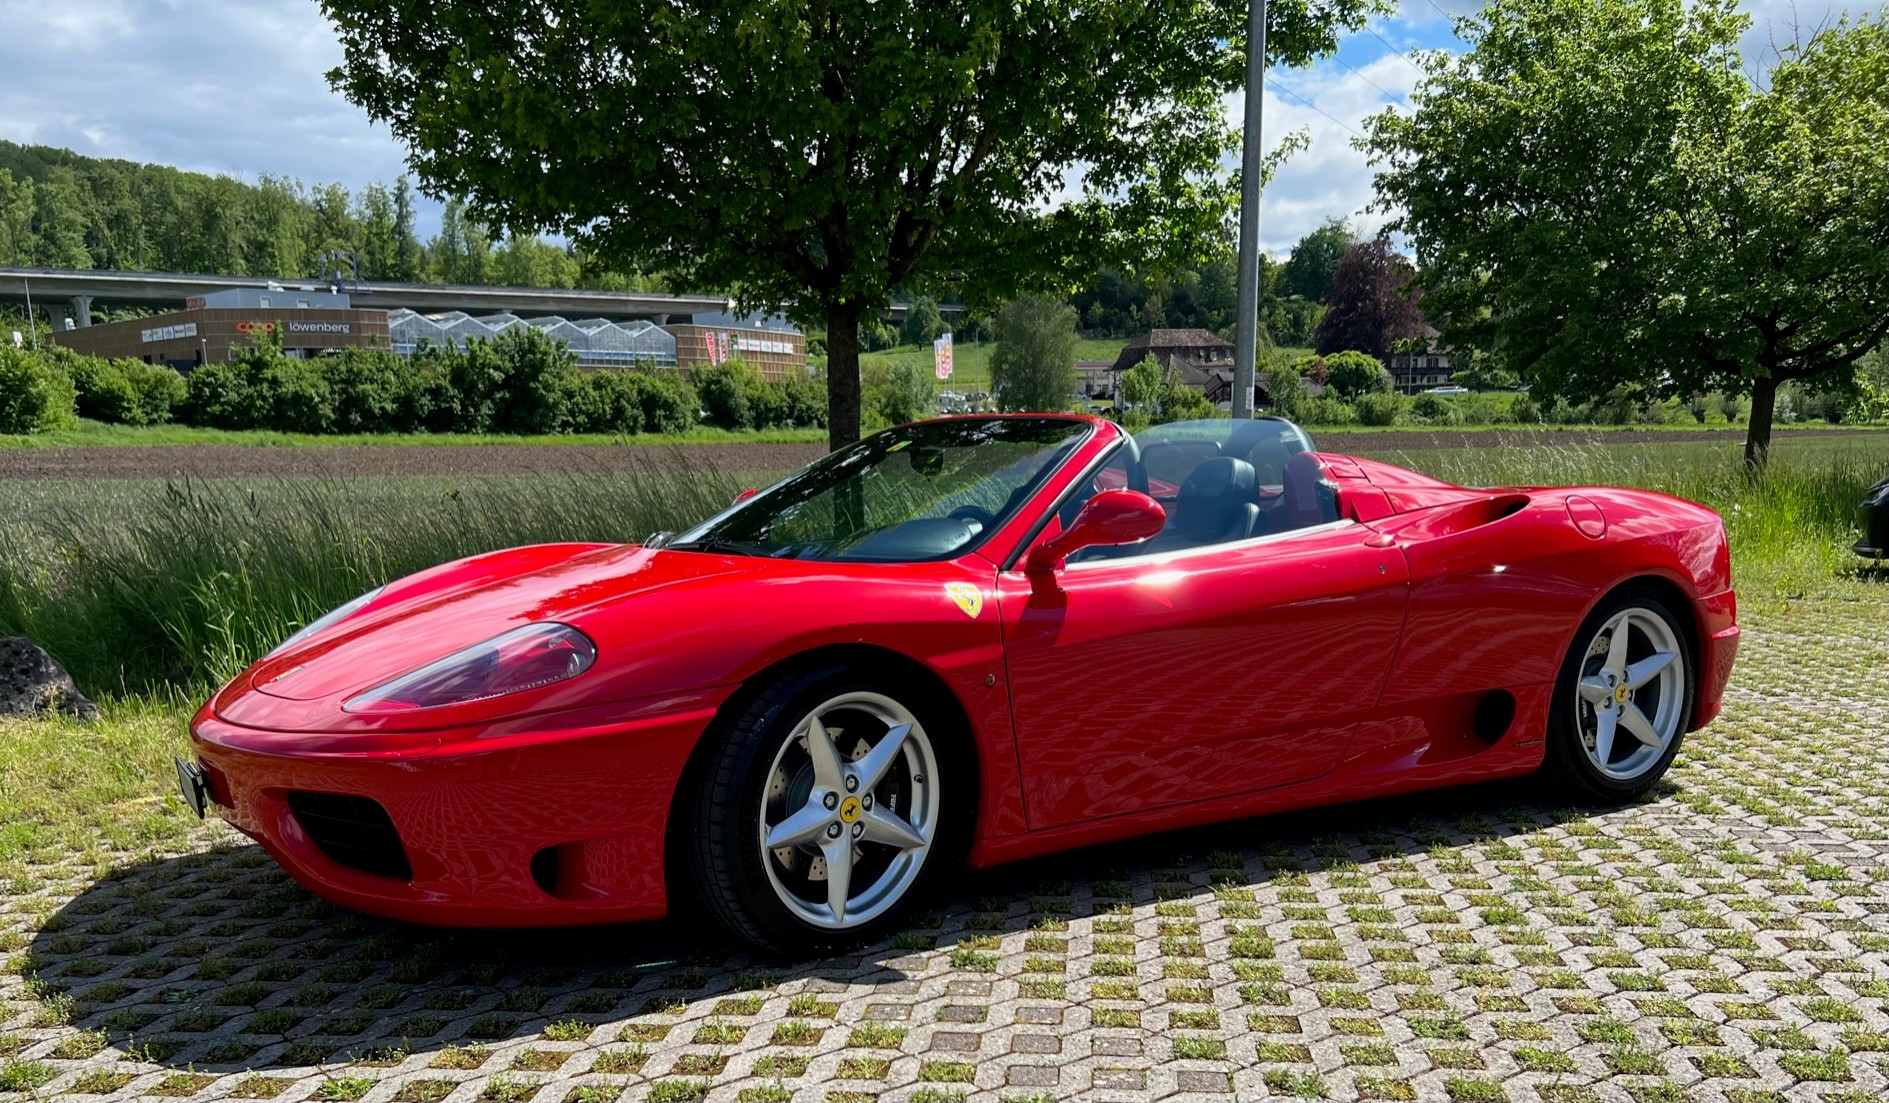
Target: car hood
429	616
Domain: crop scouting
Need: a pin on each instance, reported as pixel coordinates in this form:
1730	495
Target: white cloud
219	86
1331	178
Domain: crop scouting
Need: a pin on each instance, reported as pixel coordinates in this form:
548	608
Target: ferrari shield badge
969	597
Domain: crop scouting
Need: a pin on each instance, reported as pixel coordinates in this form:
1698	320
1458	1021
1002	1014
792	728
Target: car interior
1253	478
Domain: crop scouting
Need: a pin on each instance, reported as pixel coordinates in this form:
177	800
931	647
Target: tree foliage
1371	305
815	158
59	209
898	392
1033	366
1313	264
1159	395
1352	374
1601	199
922	323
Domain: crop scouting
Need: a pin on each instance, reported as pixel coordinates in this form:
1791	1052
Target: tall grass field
161	591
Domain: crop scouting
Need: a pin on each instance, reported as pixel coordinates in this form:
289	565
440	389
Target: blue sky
236	86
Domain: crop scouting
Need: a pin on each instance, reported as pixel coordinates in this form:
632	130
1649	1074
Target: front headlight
338	614
531	657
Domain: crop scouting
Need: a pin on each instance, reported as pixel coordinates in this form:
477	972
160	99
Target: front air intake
352	831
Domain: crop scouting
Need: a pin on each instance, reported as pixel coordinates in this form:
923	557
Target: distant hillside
61	209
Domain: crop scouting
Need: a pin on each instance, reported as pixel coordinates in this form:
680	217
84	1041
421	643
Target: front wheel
1621	705
822	810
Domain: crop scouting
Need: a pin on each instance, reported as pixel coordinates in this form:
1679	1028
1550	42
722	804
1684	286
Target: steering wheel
985	519
1137	474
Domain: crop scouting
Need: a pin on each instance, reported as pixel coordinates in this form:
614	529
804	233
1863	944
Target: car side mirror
1111	517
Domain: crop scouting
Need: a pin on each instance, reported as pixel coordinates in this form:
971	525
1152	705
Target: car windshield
930	490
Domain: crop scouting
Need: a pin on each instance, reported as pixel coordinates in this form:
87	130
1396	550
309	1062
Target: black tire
1567	766
732	790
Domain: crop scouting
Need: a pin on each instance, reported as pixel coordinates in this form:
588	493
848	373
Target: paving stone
954	1042
1723	939
1031	1076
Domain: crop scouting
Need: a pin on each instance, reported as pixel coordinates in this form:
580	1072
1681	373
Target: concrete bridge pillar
82	309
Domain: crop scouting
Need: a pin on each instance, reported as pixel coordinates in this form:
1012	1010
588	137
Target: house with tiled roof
1419	363
1203	360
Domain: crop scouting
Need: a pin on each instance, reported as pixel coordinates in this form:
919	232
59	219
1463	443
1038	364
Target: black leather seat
1218	503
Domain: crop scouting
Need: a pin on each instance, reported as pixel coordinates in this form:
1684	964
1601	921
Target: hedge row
520	382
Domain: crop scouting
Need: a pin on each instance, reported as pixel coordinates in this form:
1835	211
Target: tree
1313	263
899	392
1160	395
922	323
1371	304
1620	207
408	256
1479	375
462	250
17	243
1352	374
1033	366
815	158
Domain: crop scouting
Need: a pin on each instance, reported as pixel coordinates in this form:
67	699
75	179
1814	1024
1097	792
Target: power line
1399	54
1301	99
1387	92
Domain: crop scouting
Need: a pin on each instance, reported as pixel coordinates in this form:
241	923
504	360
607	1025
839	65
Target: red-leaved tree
1371	305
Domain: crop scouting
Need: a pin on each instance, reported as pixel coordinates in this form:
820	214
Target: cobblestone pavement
1724	941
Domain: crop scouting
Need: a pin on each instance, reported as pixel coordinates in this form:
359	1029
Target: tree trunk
842	375
1758	428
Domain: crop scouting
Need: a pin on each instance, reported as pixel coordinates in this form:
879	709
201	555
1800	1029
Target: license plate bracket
193	786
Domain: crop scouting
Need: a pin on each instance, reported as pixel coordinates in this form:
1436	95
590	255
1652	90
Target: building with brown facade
770	344
212	327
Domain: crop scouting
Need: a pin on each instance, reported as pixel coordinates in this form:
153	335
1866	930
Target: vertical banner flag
727	352
941	356
714	347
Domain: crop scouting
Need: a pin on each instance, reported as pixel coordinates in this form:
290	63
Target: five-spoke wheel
852	808
823	808
1623	701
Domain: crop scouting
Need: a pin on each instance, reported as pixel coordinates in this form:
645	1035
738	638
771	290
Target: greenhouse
592	340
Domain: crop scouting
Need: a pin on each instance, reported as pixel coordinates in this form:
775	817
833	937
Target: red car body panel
1108	699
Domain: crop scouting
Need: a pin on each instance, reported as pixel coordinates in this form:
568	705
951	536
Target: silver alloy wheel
1631	694
851	811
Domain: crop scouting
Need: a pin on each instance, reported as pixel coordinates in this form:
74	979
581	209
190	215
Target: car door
1156	680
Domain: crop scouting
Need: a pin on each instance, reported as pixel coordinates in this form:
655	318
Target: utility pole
1246	324
32	331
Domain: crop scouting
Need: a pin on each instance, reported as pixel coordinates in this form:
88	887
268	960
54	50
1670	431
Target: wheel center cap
1621	693
849	810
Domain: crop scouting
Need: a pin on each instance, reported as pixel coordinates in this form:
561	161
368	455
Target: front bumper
1718	650
557	819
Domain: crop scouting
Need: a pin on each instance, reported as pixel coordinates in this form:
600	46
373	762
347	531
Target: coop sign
168	333
320	327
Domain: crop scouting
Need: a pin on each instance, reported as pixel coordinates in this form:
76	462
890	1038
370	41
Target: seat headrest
1212	497
1221	477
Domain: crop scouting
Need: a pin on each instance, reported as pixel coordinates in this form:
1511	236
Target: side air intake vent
1494	715
352	831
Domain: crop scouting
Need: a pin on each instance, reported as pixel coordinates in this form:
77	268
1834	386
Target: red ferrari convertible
971	639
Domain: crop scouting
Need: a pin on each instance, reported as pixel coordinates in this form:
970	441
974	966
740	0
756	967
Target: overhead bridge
75	291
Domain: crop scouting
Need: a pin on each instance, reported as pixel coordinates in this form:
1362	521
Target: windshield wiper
719	547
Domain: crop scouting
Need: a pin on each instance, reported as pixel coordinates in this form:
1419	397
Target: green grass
94	434
1790	529
970	363
151	593
170	588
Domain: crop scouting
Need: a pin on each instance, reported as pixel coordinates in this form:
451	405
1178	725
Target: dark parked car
1875	541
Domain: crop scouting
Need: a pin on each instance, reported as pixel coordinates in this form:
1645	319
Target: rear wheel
823	810
1621	705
